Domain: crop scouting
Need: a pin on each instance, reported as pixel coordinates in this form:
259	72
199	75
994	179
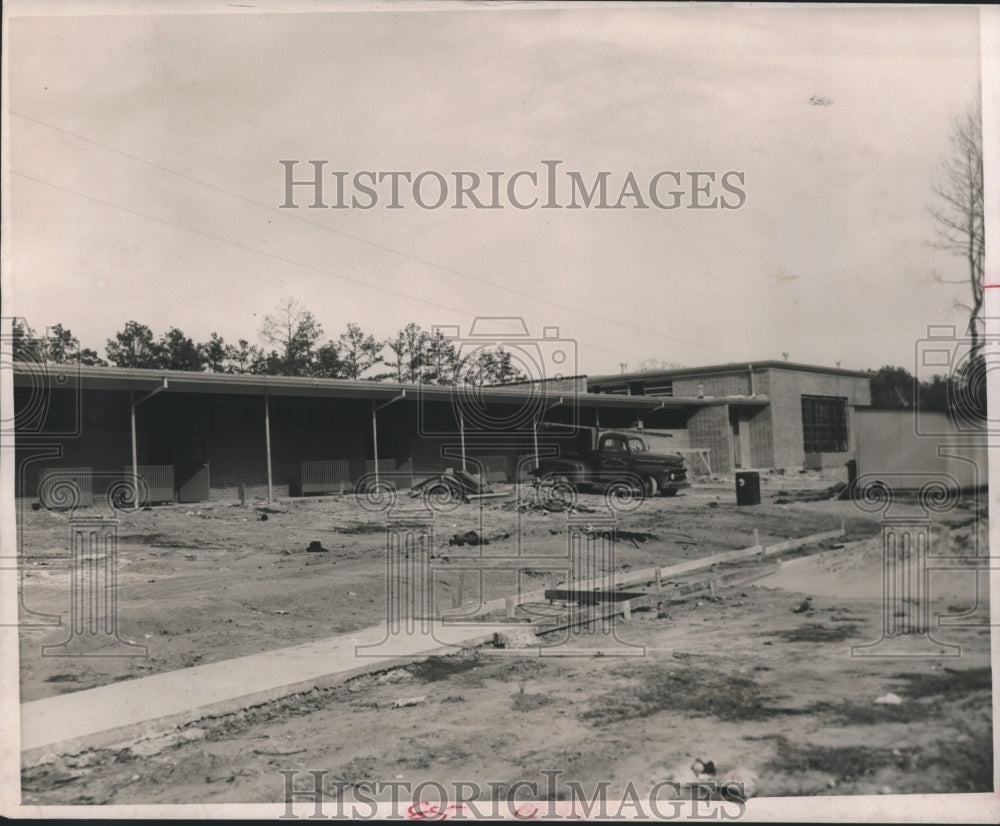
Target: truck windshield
636	446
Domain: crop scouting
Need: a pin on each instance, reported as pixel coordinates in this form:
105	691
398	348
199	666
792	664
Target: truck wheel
670	492
652	487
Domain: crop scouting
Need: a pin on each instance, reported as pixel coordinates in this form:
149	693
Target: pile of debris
547	506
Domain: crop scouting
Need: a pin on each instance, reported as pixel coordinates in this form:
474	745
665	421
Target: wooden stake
511	607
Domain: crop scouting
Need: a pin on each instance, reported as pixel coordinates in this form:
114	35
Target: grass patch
441	668
970	760
845	763
695	691
867	714
153	540
817	632
360	528
529	702
62	678
950	681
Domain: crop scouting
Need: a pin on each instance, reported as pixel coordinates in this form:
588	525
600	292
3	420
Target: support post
133	403
135	452
534	433
375	409
267	445
461	434
375	440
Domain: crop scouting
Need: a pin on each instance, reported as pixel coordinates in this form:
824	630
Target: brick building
776	414
202	436
210	436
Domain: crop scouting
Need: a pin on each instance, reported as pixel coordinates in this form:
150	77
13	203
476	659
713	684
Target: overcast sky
146	182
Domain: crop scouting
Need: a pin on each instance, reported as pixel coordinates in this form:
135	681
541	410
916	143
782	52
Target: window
612	444
660	388
636	446
824	424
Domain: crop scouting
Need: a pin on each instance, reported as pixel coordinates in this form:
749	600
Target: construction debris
703	766
547	506
316	547
515	638
455	486
409	701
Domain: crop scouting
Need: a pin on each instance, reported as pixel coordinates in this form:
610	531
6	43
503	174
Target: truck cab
619	458
614	455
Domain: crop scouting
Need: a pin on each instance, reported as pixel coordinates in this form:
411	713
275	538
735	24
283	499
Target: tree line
292	345
896	387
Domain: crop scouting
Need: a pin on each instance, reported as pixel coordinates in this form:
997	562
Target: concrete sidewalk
133	710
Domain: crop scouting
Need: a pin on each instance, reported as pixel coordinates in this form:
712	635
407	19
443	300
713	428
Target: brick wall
785	391
104	443
709	428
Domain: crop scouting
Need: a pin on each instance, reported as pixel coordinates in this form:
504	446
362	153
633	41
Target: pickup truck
620	458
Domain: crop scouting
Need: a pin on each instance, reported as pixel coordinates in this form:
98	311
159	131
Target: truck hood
663	459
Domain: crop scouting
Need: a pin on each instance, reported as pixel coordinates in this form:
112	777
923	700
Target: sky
144	182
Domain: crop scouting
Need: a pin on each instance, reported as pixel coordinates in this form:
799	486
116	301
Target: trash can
852	480
748	488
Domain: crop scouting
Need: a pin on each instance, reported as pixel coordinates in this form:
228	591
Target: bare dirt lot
737	678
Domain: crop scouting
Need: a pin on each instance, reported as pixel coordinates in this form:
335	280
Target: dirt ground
738	678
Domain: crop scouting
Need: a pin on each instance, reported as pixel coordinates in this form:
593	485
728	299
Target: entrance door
739	420
734	423
195	487
192	467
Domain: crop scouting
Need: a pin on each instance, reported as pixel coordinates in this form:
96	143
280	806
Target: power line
271	255
377	245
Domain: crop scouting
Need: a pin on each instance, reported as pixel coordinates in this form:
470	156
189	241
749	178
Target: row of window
824	424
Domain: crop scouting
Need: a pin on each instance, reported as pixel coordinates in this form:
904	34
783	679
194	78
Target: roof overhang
715	369
27	374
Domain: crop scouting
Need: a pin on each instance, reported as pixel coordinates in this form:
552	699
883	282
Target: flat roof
140	380
737	366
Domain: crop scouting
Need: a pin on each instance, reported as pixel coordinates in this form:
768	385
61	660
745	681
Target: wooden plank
649	574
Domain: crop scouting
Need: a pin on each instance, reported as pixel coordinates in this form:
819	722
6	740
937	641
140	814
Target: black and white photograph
499	410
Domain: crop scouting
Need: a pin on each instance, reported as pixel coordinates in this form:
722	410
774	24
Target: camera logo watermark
93	561
906	542
582	588
46	391
548	364
967	369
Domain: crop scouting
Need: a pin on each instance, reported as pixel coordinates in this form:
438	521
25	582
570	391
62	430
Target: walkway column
375	439
135	450
461	435
534	433
134	403
267	444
